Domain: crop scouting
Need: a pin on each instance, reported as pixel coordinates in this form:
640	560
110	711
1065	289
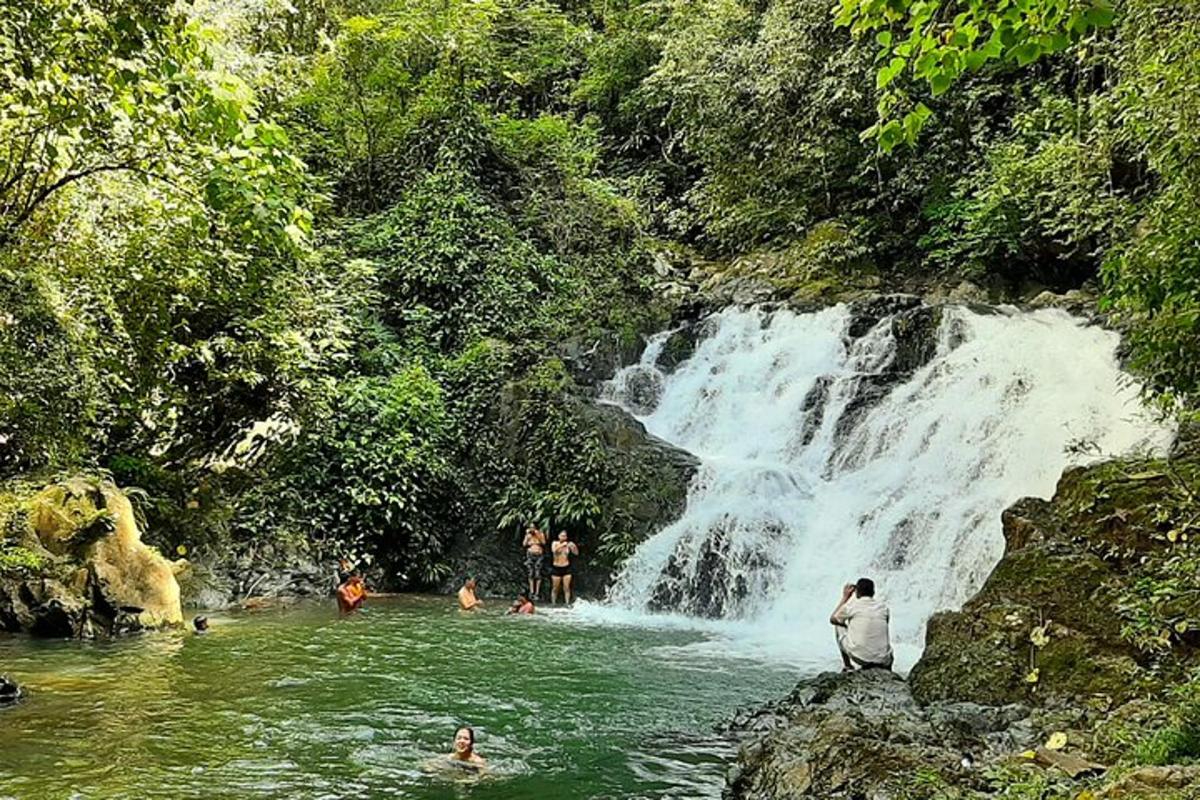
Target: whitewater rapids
823	461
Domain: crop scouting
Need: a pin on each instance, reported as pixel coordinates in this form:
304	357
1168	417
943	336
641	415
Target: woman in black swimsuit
560	570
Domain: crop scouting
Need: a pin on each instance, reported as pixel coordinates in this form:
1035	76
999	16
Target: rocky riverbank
1071	674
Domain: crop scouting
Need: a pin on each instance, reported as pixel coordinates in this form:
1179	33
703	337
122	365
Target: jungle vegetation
303	270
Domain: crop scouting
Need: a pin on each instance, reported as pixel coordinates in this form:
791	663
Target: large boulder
648	481
1050	625
862	736
88	570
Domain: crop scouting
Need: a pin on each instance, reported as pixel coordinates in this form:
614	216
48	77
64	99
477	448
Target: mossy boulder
86	570
640	482
1058	620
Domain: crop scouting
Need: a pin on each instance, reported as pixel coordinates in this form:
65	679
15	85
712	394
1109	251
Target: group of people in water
860	620
562	572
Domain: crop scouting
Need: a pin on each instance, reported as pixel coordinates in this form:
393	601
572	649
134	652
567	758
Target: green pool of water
302	704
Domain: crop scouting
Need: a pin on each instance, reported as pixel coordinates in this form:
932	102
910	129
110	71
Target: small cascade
884	441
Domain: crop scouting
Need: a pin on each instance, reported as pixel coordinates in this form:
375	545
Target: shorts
841	634
560	572
533	565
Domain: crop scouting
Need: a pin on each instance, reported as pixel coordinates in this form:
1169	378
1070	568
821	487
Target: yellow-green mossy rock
99	576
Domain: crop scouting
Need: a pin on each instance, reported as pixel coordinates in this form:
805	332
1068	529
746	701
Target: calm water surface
302	704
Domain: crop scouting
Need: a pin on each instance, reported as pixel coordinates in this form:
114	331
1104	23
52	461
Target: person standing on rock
535	556
561	571
860	623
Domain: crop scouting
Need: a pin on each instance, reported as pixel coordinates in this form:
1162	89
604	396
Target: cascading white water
818	467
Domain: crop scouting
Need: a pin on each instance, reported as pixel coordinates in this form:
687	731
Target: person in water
522	605
342	573
560	569
464	753
351	594
860	623
200	624
535	558
467	600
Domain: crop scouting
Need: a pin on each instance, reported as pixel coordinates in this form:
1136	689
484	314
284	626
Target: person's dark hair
470	732
200	622
523	596
864	587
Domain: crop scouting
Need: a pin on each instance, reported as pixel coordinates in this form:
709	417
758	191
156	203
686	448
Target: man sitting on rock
861	624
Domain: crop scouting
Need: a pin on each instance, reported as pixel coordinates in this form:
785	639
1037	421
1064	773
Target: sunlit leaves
934	42
129	88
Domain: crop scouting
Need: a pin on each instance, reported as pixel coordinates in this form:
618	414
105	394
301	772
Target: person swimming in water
351	594
467	600
560	569
464	754
522	605
200	623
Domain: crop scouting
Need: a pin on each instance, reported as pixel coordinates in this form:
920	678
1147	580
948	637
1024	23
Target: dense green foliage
309	272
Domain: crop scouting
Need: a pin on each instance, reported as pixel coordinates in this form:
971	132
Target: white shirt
866	621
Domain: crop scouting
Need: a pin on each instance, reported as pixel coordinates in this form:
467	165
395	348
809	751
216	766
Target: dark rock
866	314
10	691
706	582
594	360
679	347
862	735
649	491
914	332
643	388
814	408
42	606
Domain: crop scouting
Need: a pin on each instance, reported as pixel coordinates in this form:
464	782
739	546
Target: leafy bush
373	480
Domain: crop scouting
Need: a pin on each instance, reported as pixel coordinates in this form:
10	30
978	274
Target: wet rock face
868	313
591	361
862	735
643	389
679	347
914	332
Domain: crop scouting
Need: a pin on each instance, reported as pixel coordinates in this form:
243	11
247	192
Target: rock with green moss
561	446
1094	601
862	735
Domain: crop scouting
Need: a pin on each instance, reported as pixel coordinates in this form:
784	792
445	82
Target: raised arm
847	593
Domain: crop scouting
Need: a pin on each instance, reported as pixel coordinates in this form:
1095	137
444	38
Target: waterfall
837	444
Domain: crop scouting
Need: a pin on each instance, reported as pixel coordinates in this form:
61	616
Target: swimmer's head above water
464	747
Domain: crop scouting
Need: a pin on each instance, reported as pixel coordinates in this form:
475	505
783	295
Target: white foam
911	495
